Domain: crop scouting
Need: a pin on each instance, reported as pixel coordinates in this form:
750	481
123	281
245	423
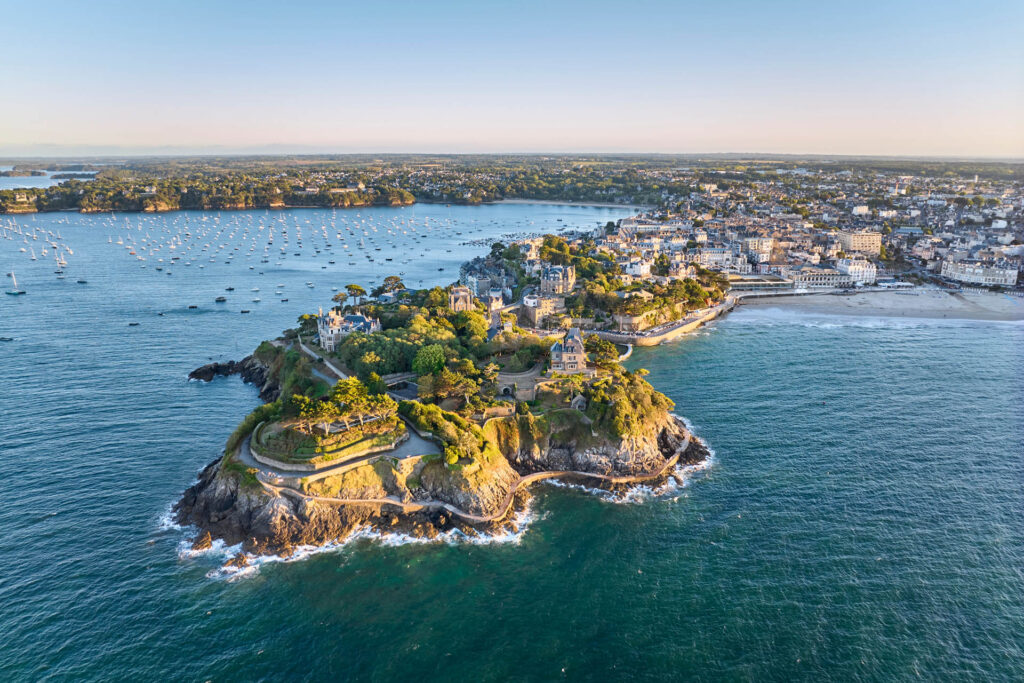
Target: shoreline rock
222	507
251	369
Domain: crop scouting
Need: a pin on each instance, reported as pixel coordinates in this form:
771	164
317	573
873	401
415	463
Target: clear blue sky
894	77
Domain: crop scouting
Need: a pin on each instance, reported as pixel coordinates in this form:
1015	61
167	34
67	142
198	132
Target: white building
978	273
811	276
863	241
332	327
758	249
862	272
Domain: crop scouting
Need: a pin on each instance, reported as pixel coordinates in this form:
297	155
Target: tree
339	298
356	292
429	360
436	298
602	351
392	283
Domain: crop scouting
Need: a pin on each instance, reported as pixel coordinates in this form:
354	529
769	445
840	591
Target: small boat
15	291
229	289
221	299
192	307
245	310
83	282
5	339
133	324
283	300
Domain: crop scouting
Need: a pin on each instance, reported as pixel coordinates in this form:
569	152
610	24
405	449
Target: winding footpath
504	508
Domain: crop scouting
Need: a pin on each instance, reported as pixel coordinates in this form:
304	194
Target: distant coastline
567	202
30	208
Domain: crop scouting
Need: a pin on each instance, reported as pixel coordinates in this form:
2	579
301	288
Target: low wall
296	482
640	339
311	467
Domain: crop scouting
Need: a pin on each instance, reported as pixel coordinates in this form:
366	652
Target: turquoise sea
861	518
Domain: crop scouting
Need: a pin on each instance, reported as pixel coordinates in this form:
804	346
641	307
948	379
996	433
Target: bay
861	518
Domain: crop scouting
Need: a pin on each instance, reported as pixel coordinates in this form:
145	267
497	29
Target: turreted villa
558	279
332	327
568	356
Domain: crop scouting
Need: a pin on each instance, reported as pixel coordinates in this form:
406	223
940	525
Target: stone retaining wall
316	467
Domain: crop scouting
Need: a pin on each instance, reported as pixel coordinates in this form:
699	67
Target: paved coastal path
415	445
503	510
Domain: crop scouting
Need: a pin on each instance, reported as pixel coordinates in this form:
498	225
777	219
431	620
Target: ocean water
17	182
861	518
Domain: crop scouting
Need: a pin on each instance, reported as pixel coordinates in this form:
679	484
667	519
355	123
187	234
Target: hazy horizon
183	152
905	79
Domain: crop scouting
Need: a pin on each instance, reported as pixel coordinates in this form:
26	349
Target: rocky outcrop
630	456
223	507
221	504
252	370
481	491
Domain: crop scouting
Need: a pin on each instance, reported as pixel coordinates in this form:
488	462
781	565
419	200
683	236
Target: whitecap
167	522
509	534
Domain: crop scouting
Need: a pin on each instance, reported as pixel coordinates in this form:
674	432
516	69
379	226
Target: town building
536	308
861	241
980	273
494	299
460	299
861	271
558	279
332	327
810	276
568	356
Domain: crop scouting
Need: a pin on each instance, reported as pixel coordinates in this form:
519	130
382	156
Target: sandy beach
923	303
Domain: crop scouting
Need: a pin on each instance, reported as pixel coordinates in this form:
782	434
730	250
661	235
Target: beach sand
923	303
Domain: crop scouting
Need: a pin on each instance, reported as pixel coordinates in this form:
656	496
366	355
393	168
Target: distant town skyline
903	78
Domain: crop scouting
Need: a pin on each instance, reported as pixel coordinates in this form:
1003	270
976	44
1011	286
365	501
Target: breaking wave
220	552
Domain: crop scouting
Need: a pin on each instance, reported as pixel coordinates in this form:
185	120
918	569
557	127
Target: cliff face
480	489
575	447
227	503
219	503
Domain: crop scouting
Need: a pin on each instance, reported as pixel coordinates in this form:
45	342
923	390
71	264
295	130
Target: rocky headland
229	502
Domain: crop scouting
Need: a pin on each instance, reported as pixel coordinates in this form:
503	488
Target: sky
899	78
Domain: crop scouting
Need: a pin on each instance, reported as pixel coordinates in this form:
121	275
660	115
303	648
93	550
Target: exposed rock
219	504
238	561
203	541
252	370
266	523
631	456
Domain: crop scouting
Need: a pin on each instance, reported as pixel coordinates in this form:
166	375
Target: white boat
15	291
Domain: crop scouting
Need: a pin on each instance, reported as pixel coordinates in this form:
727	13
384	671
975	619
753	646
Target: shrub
267	412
